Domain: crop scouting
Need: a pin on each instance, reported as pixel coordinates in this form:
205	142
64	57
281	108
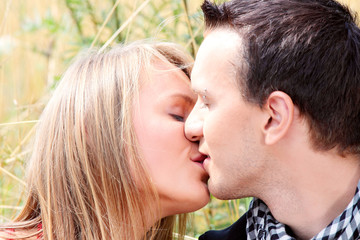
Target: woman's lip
203	162
205	174
199	158
200	163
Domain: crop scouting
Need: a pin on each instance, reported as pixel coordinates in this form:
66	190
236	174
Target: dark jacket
237	231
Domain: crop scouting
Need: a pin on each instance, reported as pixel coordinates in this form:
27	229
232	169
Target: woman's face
174	163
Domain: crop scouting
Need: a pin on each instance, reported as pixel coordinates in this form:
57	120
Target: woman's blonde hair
86	177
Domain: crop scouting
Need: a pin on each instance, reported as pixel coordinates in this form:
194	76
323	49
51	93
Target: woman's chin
188	206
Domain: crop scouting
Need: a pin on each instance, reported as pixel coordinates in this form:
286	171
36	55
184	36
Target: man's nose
194	126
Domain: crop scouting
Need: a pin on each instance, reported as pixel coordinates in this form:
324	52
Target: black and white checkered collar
261	225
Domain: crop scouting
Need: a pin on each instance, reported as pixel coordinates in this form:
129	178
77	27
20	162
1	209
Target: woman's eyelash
177	117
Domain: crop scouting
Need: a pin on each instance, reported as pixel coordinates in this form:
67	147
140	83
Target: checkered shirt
261	225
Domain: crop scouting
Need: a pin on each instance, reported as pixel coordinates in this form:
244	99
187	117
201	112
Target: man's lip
206	162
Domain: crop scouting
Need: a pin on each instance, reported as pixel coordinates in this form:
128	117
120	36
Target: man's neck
316	188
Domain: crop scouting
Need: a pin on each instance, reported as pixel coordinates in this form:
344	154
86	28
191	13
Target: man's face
226	126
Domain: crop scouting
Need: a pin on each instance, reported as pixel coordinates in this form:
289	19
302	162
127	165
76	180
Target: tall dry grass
38	39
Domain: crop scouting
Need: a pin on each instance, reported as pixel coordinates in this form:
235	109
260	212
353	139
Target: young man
278	114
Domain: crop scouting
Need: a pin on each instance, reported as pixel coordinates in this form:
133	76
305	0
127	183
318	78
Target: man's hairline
241	71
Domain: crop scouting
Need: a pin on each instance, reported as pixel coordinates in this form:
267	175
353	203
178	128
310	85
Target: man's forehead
219	45
217	57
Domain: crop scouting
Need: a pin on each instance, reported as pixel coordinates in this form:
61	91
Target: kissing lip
199	159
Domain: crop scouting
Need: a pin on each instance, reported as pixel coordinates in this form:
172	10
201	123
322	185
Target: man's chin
222	192
217	191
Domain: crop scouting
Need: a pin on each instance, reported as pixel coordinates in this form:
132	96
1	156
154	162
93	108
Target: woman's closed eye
180	106
178	117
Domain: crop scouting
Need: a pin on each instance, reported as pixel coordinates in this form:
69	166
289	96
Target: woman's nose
194	126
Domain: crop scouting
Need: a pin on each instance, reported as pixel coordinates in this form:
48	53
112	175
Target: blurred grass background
38	39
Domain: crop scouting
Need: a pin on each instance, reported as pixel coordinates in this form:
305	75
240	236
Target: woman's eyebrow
187	98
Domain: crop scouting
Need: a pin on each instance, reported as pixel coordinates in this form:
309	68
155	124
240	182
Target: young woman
110	158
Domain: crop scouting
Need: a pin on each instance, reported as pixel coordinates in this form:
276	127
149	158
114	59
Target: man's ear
279	109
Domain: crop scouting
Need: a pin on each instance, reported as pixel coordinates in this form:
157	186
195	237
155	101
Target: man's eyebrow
203	92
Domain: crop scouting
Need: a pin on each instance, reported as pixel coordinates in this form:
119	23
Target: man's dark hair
309	49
